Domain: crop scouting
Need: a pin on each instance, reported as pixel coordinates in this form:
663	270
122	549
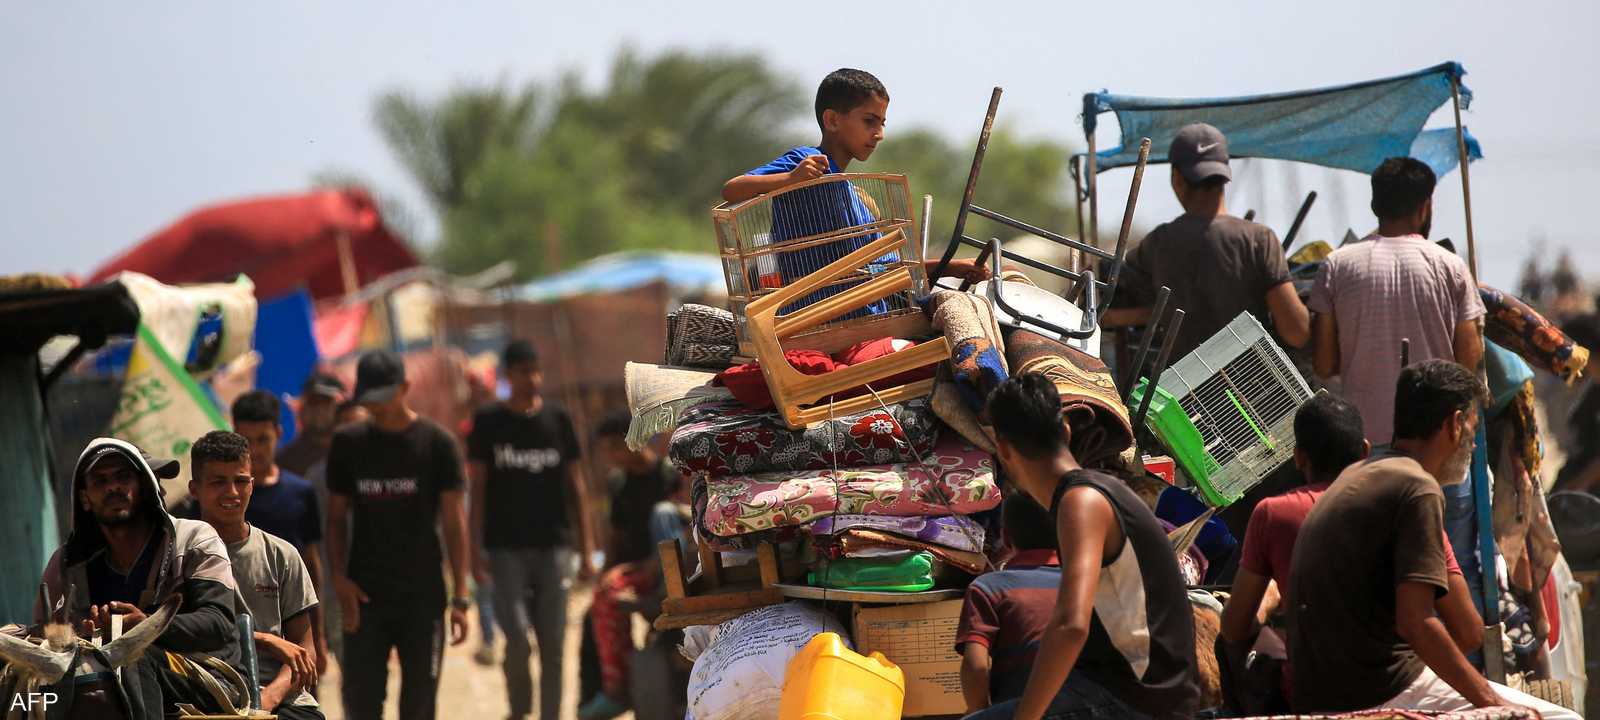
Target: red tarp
282	242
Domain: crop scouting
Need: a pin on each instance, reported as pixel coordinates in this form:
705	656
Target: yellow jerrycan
828	681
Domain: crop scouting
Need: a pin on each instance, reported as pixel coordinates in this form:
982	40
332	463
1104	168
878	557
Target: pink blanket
954	479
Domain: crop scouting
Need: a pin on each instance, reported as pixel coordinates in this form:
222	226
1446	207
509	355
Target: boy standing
1120	640
522	455
851	109
274	582
283	503
1005	612
392	482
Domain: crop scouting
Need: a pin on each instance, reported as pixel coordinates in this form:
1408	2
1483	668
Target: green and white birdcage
1226	411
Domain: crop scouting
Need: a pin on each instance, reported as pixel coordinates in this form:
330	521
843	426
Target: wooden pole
1466	181
1493	662
347	264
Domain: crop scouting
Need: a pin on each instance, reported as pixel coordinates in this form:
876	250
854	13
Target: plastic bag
739	665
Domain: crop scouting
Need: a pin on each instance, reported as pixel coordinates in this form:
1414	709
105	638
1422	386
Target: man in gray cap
1217	265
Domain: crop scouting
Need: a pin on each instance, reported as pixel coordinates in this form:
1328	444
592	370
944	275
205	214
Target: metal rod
1169	338
1030	262
1145	342
1299	217
972	186
1466	182
1405	352
1094	193
1077	197
1127	220
1041	232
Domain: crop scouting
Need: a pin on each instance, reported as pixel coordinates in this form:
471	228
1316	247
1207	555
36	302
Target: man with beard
1392	285
126	555
1370	563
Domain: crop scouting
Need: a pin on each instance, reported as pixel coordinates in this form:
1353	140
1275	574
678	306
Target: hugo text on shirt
533	460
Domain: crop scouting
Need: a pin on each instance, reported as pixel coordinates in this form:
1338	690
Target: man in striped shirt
1394	284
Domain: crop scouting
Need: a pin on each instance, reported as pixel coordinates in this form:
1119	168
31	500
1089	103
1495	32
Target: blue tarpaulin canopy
687	272
1352	127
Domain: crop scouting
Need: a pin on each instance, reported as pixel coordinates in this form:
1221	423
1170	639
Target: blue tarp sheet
1352	127
288	347
621	271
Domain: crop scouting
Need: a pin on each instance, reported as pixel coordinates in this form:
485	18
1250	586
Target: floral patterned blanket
953	479
724	438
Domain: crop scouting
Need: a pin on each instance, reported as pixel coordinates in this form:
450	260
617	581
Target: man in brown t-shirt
1369	564
1217	265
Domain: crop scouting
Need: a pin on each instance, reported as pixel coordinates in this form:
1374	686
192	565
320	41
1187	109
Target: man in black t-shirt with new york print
526	493
393	482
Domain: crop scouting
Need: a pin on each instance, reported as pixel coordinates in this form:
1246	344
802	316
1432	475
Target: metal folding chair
1093	293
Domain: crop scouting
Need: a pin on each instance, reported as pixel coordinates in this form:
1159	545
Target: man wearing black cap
1217	265
392	482
125	556
319	404
526	492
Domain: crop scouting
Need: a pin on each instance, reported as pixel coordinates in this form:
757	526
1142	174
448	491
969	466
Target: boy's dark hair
1026	411
1329	429
1026	523
1428	393
518	352
1401	185
846	89
218	446
257	406
614	425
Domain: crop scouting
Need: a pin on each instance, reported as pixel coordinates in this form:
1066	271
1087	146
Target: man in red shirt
1006	611
1329	436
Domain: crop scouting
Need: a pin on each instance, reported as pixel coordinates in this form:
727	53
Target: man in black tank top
1121	640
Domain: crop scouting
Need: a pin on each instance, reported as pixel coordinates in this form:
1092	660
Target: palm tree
442	144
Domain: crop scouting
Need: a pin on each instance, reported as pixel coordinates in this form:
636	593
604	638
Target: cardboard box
921	639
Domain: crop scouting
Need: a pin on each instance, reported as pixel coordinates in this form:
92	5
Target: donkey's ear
35	660
132	644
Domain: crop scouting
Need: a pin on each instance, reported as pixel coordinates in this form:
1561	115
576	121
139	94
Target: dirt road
469	691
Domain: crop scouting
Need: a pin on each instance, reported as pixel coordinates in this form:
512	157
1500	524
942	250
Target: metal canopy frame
1094	293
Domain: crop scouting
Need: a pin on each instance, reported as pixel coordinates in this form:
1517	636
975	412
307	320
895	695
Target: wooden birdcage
773	240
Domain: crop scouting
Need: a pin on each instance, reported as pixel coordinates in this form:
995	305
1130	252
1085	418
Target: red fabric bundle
749	386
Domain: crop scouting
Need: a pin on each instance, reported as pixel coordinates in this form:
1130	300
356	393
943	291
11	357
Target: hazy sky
118	118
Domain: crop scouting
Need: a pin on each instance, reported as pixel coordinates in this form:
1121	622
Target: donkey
64	677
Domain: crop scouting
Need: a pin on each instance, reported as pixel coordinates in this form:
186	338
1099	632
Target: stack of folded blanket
900	485
876	486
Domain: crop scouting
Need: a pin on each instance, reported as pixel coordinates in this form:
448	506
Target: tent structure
329	242
1349	127
688	273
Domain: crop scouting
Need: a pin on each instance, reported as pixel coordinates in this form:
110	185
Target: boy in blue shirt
851	108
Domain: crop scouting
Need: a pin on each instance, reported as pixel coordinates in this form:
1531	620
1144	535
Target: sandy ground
468	690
